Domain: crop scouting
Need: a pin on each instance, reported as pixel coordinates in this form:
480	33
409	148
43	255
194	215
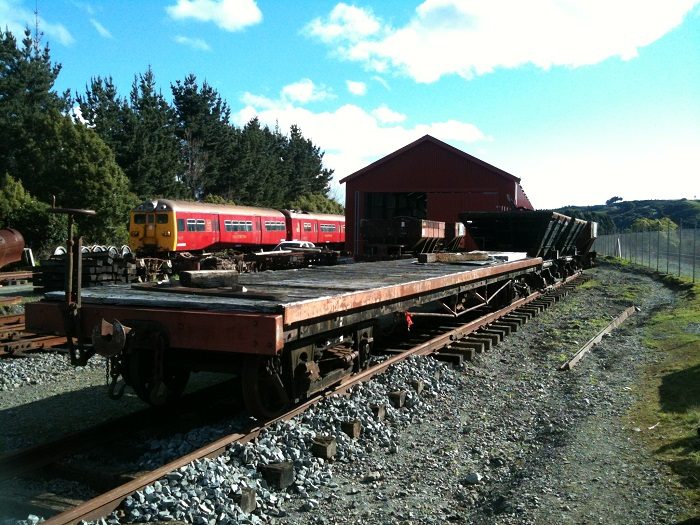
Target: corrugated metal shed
427	179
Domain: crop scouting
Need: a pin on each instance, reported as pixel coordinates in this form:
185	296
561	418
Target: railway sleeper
479	345
487	340
466	351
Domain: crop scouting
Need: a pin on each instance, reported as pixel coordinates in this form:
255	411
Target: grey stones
375	475
473	478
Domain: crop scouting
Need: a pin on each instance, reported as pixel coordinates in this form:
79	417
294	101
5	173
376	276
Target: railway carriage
169	226
318	228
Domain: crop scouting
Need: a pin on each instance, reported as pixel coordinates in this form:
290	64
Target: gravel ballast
507	438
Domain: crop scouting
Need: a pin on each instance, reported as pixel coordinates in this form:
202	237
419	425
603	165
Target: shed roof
436	142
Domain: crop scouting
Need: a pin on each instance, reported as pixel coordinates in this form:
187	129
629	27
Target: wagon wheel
264	394
142	373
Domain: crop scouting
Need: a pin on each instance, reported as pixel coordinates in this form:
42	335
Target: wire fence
673	251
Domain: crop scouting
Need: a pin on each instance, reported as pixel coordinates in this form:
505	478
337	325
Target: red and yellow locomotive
171	226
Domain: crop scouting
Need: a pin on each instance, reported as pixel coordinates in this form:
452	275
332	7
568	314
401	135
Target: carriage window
307	226
162	218
328	227
181	225
249	226
272	226
228	226
139	218
191	225
200	225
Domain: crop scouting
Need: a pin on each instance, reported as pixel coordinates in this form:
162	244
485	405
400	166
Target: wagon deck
302	294
286	305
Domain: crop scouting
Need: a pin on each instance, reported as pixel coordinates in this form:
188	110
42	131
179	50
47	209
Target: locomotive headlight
167	234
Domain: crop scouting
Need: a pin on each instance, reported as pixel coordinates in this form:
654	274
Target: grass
669	393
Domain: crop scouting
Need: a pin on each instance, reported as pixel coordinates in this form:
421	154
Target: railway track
453	342
15	341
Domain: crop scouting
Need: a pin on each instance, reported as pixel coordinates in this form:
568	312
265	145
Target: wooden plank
209	278
597	338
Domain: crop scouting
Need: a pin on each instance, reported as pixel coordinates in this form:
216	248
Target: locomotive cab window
162	218
139	218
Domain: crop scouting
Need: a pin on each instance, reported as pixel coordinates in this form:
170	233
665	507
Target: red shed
427	179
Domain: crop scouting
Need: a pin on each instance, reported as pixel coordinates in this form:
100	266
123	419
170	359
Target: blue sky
581	99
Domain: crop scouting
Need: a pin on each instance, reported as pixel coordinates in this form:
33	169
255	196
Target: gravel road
506	439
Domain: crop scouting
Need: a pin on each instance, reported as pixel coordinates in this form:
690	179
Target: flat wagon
288	334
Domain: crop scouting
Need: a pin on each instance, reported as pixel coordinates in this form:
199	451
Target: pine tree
206	137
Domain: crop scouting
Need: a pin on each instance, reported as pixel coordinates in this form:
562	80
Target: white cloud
102	30
474	37
230	15
195	43
305	91
385	115
356	88
16	18
346	22
351	136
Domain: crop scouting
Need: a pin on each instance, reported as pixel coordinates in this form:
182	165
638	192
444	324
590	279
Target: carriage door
149	238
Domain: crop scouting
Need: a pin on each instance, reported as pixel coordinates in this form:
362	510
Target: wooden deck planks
313	292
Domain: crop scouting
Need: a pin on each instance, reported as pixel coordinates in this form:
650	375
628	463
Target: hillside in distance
619	216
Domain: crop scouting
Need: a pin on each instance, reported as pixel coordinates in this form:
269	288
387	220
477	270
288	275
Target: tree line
107	152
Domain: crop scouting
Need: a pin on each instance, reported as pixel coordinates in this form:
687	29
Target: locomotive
166	226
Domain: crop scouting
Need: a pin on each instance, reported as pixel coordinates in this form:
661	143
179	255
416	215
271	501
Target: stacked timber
98	268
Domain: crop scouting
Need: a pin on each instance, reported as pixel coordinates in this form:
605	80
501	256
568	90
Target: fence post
668	244
695	240
658	247
649	240
680	244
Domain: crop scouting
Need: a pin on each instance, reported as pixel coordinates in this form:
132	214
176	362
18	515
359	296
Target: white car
294	245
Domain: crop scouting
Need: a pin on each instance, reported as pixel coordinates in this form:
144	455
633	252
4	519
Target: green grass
669	393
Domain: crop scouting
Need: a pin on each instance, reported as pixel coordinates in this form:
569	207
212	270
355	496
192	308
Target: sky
582	100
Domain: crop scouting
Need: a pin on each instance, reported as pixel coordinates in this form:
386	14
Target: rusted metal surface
15	341
11	246
597	338
10	300
12	319
13	277
28	342
204	330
